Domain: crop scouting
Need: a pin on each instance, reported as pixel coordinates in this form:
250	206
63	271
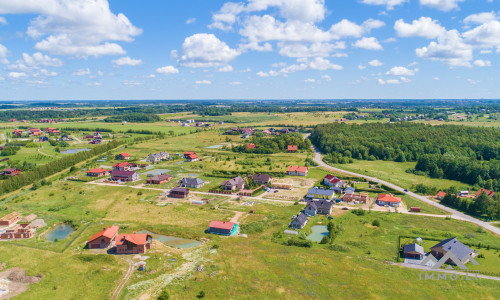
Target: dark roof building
191	182
452	244
262	178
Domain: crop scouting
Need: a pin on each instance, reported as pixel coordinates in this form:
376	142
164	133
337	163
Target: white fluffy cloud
481	18
486	35
445	5
388	81
74	27
205	50
482	63
204	82
35	64
126	61
3	54
167	70
375	63
82	72
401	71
3	21
450	49
226	69
314	50
369	43
423	27
17	75
310	80
390	4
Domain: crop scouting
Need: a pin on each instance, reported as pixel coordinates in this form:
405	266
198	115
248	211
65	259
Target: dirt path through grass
123	281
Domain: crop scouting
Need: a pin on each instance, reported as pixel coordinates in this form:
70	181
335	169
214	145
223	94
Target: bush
376	223
163	295
299	243
358	212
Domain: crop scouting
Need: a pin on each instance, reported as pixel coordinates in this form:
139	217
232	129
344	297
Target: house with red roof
123	156
388	199
136	243
251	146
97	172
124	166
17	132
11	172
333	181
487	192
223	228
297	171
191	157
104	239
440	195
293	148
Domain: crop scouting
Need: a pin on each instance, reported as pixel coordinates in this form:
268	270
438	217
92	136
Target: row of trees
135	117
482	206
274	144
27	178
467	154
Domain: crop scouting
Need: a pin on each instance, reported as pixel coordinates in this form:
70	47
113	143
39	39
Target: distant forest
467	154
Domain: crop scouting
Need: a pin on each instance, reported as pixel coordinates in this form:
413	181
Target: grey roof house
460	250
413	251
191	182
299	222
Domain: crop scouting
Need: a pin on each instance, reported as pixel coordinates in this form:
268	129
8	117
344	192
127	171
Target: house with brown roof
359	197
159	179
487	192
179	192
10	219
387	199
297	171
136	243
262	179
117	175
97	172
293	148
104	239
11	172
19	231
123	156
233	184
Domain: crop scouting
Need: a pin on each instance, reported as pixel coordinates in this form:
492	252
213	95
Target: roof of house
122	173
388	198
329	177
189	152
455	246
318	191
179	190
234	181
221	225
312	204
96	170
125	154
10	216
192	181
441	194
161	177
135	238
293	147
192	156
413	248
322	204
251	146
122	164
349	190
109	232
297	169
10	170
488	192
301	218
261	177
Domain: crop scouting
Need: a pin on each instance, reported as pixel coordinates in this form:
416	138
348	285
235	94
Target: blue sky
252	49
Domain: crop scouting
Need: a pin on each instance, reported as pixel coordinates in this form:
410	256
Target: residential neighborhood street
454	213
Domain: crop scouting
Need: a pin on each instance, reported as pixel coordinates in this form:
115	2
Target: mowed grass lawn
256	267
395	172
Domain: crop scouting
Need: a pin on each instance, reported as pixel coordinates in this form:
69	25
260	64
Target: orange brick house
103	239
136	243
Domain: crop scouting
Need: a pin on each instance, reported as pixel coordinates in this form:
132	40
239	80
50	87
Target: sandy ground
14	282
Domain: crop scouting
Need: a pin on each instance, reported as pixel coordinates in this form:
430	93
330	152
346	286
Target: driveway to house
428	269
453	213
123	281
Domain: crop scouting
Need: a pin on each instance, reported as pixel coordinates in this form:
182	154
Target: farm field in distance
71	196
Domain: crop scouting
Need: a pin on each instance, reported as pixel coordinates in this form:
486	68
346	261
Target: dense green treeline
467	154
273	144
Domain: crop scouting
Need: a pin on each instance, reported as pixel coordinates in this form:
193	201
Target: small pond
60	232
318	232
173	241
215	147
73	151
156	172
